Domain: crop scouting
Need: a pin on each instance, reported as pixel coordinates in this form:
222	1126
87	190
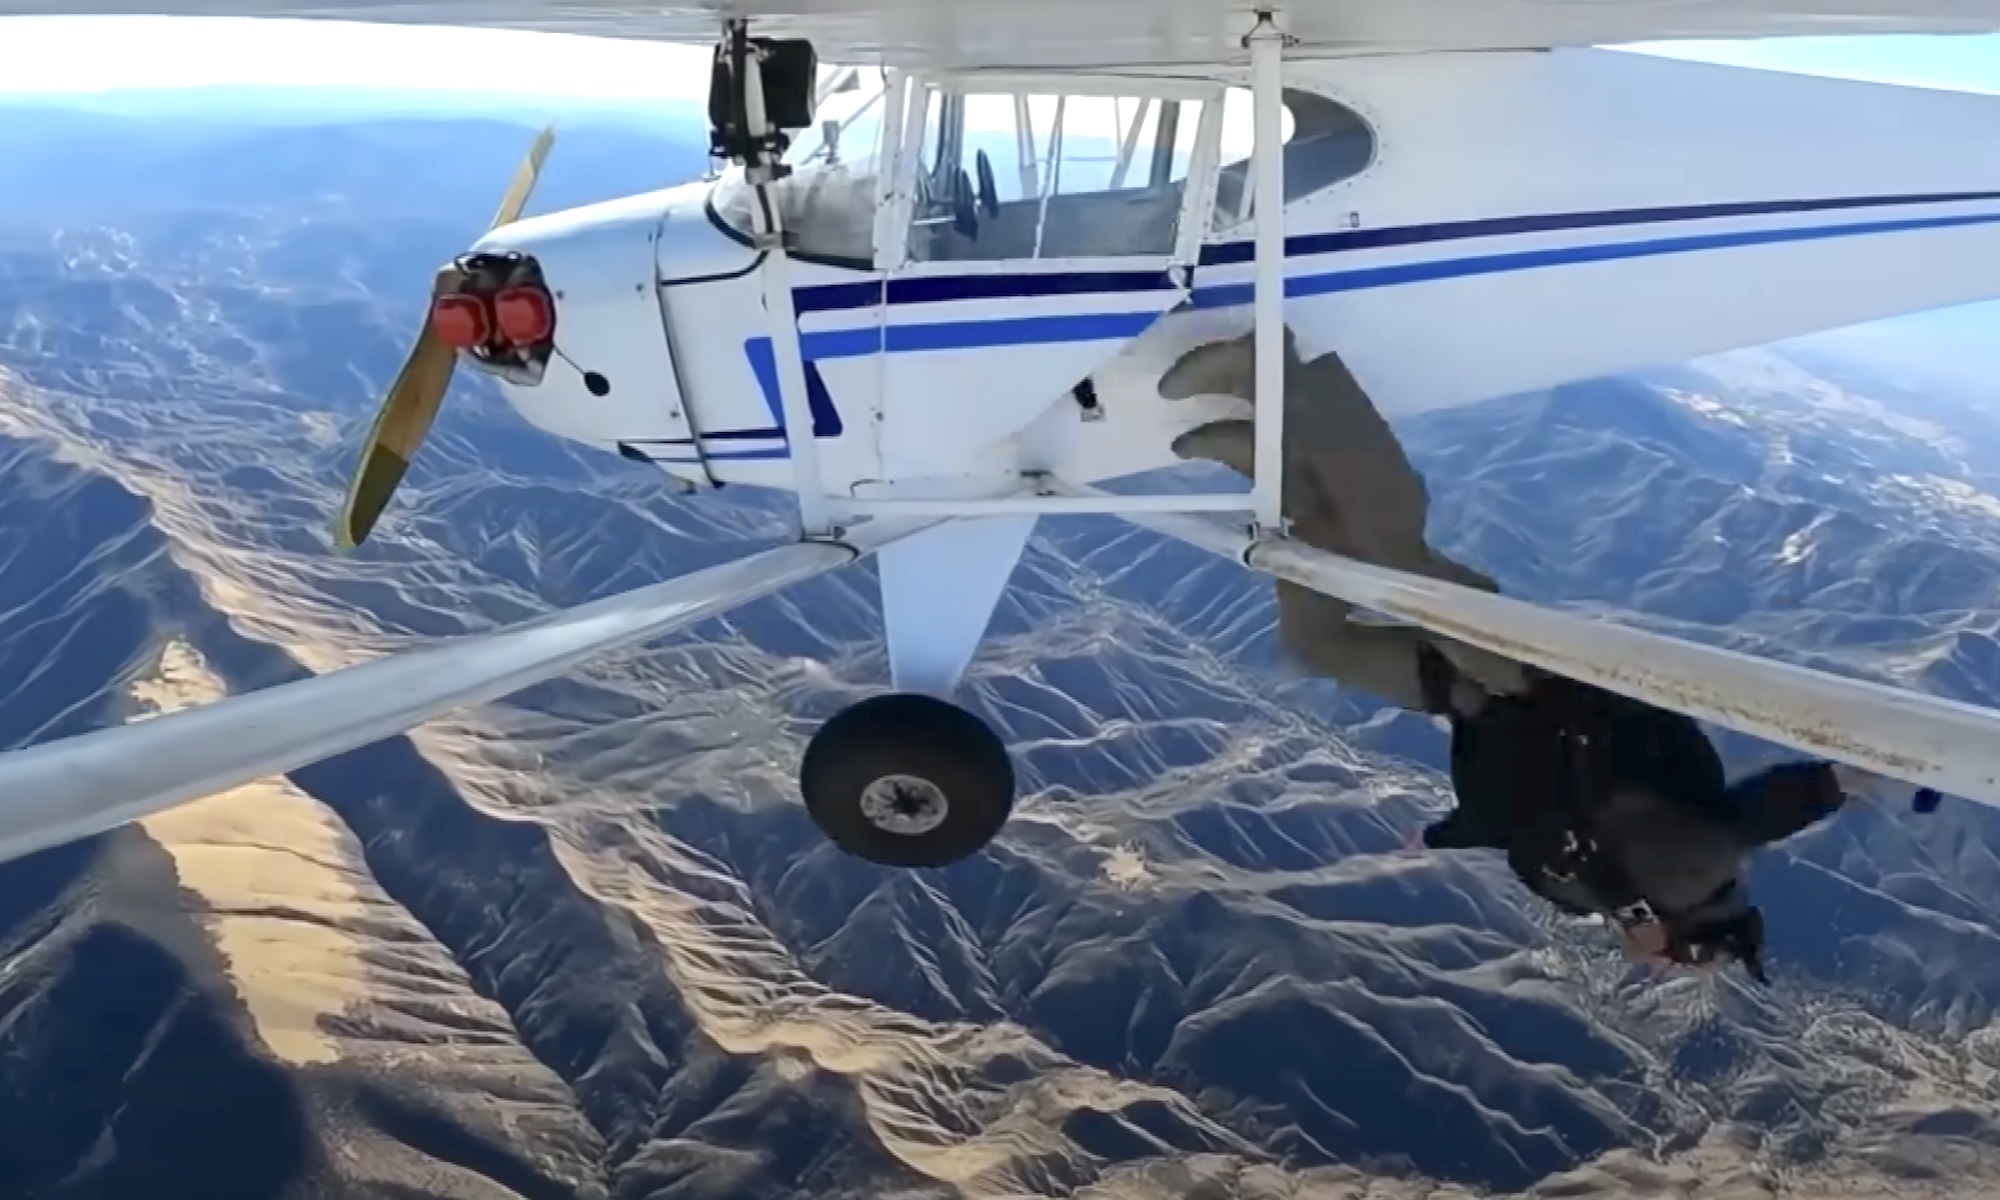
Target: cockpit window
827	203
1010	175
1325	143
1014	175
848	123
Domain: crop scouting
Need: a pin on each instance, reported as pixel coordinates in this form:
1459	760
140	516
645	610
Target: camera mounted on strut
757	89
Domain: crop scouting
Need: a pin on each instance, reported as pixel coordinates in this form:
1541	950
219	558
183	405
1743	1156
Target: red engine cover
460	321
525	313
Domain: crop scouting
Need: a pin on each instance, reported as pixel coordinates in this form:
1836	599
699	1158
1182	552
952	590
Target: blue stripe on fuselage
1308	244
1085	327
897	293
941	335
933	289
1364	278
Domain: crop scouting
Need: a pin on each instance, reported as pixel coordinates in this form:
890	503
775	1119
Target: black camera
788	71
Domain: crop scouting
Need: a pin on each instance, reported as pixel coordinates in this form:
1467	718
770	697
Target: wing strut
1924	740
1266	45
79	786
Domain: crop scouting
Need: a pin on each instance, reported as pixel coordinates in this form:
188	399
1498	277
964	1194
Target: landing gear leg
910	779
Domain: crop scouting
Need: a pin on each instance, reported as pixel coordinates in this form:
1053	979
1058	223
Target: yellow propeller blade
400	425
411	406
524	178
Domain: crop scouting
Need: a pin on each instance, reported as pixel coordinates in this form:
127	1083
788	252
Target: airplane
935	288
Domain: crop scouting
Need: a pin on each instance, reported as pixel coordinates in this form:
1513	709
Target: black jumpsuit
1537	775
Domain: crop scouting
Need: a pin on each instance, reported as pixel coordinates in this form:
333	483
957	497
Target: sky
82	55
88	54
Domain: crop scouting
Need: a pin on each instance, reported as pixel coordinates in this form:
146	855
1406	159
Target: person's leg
1349	487
1381	660
1349	490
1314	629
1784	800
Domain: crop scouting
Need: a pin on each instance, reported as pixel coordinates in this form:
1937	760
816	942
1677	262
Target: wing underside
76	787
1126	33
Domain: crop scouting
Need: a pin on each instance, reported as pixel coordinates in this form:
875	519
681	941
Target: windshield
827	203
1034	173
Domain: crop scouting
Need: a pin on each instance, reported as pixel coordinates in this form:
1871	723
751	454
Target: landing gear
907	780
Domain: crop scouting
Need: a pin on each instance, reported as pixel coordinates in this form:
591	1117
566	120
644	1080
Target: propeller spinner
413	399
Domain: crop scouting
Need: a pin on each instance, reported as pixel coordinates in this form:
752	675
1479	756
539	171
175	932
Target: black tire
946	758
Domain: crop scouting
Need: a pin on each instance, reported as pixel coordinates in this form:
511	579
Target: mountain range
584	943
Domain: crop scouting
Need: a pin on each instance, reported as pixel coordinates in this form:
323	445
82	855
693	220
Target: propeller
413	399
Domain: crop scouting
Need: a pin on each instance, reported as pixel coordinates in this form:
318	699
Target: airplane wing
1118	33
1923	740
78	786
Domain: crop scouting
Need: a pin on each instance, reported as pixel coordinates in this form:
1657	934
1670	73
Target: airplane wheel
907	780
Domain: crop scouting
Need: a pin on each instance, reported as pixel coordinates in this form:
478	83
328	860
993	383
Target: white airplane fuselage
1482	224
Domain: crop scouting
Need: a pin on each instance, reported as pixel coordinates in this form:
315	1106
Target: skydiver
1351	490
1570	822
1608	806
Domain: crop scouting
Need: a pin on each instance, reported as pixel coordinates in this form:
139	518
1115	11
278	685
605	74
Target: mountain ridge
1194	965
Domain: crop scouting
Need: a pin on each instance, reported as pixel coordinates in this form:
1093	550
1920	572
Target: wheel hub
904	805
